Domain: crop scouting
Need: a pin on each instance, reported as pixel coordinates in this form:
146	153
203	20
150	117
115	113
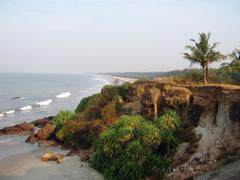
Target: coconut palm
203	53
234	65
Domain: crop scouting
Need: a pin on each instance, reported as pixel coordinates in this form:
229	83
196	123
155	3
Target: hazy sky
78	36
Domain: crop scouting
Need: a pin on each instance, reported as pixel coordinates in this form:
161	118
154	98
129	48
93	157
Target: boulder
53	157
26	126
16	129
32	139
42	122
46	132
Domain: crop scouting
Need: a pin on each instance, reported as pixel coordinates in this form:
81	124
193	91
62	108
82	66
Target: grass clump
130	148
94	115
62	117
85	102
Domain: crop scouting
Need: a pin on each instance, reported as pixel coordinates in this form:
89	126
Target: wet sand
28	165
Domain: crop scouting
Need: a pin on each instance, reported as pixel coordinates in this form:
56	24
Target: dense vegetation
93	115
234	65
135	147
62	117
189	76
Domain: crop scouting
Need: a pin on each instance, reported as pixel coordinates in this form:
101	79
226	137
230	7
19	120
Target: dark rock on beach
42	122
46	132
17	129
32	139
25	127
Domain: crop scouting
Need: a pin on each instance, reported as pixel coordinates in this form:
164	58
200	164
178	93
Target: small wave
44	103
1	114
63	95
26	108
10	112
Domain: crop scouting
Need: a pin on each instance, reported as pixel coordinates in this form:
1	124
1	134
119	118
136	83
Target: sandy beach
27	164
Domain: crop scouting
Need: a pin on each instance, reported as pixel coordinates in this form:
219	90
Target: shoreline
28	166
24	162
118	80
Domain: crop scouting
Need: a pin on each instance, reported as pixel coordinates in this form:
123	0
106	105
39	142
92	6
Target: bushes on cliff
85	102
83	133
129	149
62	117
94	114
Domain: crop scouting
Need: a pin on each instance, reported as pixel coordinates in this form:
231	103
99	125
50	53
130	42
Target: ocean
27	97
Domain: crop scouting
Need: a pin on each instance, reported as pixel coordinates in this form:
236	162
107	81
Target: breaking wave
10	112
63	95
26	108
44	103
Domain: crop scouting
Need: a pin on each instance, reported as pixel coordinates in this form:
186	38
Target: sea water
27	97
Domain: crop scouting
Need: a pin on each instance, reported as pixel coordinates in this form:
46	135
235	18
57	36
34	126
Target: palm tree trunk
207	72
204	74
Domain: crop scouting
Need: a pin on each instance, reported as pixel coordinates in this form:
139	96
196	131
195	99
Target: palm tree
234	65
203	53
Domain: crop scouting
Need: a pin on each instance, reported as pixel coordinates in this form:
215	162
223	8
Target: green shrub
170	121
113	91
83	133
129	148
60	134
62	117
85	102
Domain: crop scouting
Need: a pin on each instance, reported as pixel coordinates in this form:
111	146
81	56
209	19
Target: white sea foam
63	95
1	114
26	108
10	112
44	103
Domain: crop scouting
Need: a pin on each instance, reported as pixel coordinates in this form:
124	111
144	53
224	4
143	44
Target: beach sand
28	166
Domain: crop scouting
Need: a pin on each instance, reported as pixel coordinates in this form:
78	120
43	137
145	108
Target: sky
82	36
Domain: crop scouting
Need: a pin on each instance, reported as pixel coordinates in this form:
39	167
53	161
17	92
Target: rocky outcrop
25	127
32	139
45	133
211	121
42	122
217	129
151	99
17	129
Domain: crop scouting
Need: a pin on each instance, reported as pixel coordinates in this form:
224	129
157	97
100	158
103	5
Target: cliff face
211	121
210	133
